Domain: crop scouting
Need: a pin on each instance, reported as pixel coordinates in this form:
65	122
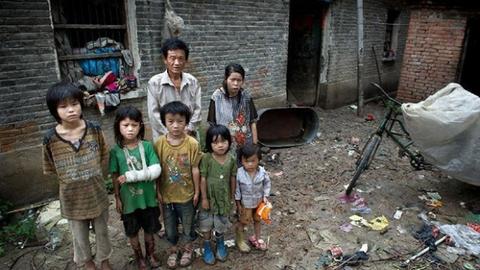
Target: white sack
446	128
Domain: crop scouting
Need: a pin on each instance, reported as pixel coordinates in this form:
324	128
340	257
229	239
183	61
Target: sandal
187	257
258	244
172	261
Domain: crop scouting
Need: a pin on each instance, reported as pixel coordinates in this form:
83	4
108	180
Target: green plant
18	230
5	206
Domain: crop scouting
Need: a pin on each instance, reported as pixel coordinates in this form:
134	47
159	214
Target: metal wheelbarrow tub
286	127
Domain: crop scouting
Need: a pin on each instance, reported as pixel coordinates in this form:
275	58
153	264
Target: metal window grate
77	23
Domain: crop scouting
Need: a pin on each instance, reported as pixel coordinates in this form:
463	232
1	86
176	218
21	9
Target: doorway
471	57
307	20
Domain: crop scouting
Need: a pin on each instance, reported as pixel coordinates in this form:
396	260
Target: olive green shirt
218	182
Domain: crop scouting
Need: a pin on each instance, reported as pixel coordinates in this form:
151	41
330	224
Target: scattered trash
355	141
353	107
361	210
445	256
463	237
474	226
278	174
434	195
458	251
423	251
370	117
427	234
230	243
336	252
354	259
469	266
377	224
463	205
369	190
432	199
398	214
400	229
346	227
475	218
351	153
432	215
324	260
421	176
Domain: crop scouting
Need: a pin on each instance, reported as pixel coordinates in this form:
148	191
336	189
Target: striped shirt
82	190
251	191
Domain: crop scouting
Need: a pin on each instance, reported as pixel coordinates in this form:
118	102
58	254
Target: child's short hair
215	131
249	150
60	92
133	114
175	107
174	44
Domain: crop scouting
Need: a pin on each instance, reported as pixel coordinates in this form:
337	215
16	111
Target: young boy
178	185
75	150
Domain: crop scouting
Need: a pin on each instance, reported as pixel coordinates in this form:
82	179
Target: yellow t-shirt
176	180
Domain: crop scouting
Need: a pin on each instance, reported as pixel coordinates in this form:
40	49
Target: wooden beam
90	26
88	56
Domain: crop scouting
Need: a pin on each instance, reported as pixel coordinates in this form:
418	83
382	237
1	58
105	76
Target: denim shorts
147	219
208	221
172	213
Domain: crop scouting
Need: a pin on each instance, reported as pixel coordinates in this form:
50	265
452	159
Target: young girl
134	167
233	107
217	184
252	187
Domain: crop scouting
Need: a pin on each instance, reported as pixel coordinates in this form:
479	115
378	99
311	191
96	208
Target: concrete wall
253	33
339	83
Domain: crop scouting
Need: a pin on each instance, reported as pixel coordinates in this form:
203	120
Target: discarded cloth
463	237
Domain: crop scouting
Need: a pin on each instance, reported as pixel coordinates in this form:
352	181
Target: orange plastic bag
263	211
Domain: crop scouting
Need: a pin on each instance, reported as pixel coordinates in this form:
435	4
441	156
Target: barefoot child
179	183
75	151
135	167
217	170
253	187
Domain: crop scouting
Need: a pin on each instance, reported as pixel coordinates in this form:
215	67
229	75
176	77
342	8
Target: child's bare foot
90	265
106	265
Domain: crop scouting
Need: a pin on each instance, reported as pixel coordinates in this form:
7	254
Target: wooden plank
89	26
88	56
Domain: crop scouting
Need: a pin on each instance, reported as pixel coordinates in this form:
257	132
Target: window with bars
391	35
90	36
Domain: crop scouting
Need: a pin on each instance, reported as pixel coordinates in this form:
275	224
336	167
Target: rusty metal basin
286	127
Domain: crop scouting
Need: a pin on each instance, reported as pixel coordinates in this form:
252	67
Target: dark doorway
307	19
471	57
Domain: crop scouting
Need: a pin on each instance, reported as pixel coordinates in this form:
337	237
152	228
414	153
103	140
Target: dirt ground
307	214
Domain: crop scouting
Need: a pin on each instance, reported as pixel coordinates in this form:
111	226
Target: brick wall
149	19
253	33
432	53
27	69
